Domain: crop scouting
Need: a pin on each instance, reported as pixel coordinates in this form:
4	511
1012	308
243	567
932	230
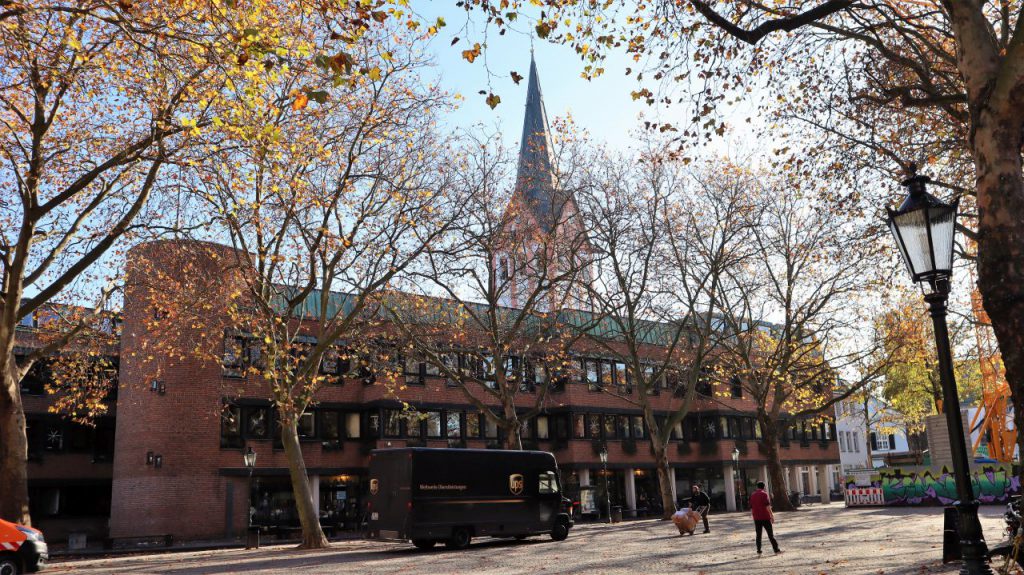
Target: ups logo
516	483
374	486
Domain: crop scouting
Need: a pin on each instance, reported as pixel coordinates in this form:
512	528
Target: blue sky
603	106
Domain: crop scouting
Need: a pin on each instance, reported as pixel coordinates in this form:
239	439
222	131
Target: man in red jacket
761	510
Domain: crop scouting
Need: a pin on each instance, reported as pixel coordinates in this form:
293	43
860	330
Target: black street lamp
924	227
250	462
736	476
604	471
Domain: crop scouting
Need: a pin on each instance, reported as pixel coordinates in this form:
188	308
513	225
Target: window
453	425
433	424
677	431
638	427
525	430
608	380
392	423
842	443
256	422
704	383
709	429
490	428
748	424
593	425
736	387
622	427
413	427
472	425
579	428
413	370
330	428
622	378
335	362
757	429
592	374
307	425
723	424
512	369
547	483
451	364
542	427
230	426
609	426
364	372
856	442
827	431
352	425
232	360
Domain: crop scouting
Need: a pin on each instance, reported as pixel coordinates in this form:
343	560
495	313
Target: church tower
547	241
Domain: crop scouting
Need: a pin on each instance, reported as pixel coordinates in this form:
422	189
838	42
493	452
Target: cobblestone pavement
816	540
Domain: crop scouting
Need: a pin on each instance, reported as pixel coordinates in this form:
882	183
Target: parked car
452	495
22	549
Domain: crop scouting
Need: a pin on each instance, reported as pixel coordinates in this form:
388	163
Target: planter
708	447
684	448
597	445
629	446
742	447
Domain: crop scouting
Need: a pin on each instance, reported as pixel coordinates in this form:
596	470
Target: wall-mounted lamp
158	461
149	458
158	386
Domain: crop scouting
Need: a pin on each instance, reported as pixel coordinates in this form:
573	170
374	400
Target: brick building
173	462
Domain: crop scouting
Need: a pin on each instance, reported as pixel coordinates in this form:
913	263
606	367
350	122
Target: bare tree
664	244
795	321
487	309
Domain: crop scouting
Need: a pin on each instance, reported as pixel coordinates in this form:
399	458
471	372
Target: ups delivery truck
428	496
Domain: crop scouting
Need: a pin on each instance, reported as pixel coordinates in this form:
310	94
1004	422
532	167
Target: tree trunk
660	450
312	535
513	440
13	449
1000	187
770	437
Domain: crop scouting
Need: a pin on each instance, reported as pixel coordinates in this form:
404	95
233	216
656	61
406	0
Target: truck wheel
560	531
424	543
9	565
460	538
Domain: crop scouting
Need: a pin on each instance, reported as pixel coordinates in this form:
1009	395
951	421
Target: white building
855	440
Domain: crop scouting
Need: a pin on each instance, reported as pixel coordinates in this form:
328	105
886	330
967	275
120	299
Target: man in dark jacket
702	503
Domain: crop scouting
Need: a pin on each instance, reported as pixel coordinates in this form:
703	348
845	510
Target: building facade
169	461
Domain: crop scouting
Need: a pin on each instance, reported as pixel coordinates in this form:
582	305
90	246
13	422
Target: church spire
535	178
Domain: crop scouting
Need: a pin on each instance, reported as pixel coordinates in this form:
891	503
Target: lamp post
924	227
604	472
736	475
250	462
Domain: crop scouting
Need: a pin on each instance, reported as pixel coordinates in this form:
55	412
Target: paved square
816	540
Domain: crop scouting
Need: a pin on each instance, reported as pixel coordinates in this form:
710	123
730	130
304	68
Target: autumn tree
100	101
489	307
329	181
795	319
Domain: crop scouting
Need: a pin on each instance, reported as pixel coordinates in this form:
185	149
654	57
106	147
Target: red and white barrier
862	496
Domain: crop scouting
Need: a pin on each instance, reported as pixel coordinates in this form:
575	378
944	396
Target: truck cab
22	549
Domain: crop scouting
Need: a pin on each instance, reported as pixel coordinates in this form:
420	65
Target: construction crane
995	410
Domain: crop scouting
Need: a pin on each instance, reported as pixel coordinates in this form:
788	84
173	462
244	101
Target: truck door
549	496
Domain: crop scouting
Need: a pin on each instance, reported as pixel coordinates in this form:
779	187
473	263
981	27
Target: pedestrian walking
761	511
701	503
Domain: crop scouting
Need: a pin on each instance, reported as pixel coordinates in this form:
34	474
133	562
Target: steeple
535	178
